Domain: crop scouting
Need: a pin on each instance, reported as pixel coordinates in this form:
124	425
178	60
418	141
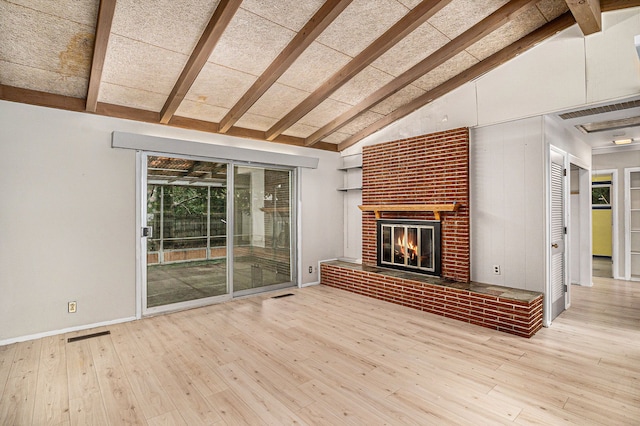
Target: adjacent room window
601	194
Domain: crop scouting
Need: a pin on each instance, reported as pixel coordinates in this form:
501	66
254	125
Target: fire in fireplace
412	245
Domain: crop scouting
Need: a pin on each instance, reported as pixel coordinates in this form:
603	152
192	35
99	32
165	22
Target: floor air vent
280	296
87	336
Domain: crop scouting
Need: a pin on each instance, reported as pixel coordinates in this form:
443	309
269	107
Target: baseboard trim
64	330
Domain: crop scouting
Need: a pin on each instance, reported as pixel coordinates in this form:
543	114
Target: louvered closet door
557	236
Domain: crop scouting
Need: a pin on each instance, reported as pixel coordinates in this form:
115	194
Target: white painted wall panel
507	208
549	77
612	60
457	109
67	216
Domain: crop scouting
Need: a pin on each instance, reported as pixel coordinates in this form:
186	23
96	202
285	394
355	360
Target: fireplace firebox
411	245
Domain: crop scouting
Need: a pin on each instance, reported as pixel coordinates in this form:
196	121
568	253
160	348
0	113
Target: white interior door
557	235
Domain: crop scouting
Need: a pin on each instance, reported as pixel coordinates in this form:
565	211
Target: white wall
507	204
67	216
618	161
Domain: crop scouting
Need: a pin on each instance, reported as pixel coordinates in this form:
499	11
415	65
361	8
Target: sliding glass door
262	249
191	221
186	210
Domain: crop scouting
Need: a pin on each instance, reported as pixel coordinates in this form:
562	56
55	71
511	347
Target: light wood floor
324	356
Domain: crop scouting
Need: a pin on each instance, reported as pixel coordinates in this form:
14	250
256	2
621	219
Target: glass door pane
186	211
262	249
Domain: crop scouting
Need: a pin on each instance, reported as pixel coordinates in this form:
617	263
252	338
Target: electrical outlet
496	269
311	269
72	307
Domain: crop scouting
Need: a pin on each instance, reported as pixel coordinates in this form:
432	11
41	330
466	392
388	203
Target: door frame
585	253
548	303
614	219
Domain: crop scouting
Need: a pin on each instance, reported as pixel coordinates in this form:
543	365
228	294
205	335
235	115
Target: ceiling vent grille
601	109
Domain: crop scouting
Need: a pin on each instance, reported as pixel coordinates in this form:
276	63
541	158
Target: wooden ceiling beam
562	22
329	11
213	32
103	31
609	5
412	20
44	99
587	14
439	57
68	103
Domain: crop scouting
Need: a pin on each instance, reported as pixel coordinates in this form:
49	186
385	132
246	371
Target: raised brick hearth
513	311
430	170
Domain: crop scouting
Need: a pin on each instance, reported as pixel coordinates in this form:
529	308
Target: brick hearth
504	309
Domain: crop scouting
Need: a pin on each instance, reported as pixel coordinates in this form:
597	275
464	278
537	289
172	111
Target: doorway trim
614	220
585	253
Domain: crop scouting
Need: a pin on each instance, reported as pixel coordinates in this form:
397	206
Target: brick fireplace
426	178
430	169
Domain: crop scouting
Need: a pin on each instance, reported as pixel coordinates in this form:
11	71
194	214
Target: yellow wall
601	222
602	232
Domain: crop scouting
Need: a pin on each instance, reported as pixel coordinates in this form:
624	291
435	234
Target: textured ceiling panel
410	4
79	11
278	101
134	98
42	80
291	14
59	45
300	130
360	24
460	15
201	110
325	112
444	72
219	86
314	67
256	122
133	64
551	9
336	137
407	94
526	21
250	43
48	46
362	121
162	23
411	50
366	82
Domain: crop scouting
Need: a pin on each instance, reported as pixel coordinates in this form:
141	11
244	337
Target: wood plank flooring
325	356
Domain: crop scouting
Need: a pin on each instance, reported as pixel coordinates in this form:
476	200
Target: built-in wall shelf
632	223
352	166
378	209
345	168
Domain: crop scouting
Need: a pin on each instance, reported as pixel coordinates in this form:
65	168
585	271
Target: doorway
213	230
603	204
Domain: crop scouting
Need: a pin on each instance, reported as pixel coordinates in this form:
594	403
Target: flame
412	249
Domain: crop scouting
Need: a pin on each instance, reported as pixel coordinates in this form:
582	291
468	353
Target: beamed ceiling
323	74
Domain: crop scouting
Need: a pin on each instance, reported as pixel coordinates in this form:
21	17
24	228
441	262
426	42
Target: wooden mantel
435	208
